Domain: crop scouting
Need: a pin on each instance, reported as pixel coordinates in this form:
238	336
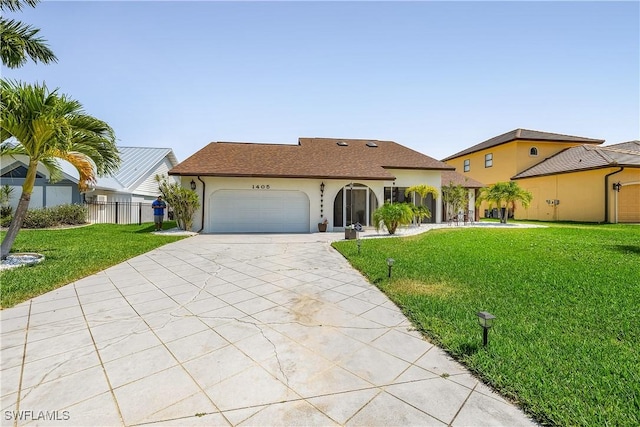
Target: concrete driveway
231	330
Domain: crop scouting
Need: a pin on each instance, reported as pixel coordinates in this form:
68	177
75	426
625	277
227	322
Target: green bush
70	214
38	218
5	220
6	211
58	215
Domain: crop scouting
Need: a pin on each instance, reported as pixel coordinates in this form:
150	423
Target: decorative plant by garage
183	201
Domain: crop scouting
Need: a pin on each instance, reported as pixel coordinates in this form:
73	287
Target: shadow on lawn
626	249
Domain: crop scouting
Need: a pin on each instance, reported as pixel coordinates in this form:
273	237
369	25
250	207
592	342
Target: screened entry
355	203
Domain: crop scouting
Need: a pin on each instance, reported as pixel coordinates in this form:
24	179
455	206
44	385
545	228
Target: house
135	179
586	183
252	187
571	177
133	182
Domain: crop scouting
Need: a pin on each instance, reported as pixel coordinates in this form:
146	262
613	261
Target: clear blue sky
437	77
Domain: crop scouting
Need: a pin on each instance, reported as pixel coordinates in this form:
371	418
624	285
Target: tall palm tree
19	41
46	126
505	195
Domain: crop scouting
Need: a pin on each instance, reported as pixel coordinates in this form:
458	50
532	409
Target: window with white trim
533	151
467	165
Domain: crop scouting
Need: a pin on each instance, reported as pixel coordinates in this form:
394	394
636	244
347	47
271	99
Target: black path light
390	262
485	319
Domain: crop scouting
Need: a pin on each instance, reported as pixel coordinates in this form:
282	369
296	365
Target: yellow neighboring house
571	178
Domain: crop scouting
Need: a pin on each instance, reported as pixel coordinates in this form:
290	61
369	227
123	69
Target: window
396	195
533	151
488	160
467	165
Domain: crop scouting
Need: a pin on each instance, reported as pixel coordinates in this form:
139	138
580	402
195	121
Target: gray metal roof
137	162
524	134
586	157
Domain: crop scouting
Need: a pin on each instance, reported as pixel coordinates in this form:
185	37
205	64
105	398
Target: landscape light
485	319
390	262
359	243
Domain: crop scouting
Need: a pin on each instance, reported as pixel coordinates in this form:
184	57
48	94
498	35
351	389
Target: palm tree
392	215
19	41
423	190
45	126
505	195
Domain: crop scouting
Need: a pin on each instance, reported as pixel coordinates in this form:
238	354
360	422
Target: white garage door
246	211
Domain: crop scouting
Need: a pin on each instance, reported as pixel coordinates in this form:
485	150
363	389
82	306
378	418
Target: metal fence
119	212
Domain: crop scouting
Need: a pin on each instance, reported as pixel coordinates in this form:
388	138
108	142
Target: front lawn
71	254
566	342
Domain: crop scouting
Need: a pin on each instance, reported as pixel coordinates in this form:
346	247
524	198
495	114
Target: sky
437	77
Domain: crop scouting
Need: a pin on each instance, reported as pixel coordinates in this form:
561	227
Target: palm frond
16	5
19	42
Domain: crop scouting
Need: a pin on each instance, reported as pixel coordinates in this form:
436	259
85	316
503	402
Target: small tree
454	197
423	190
393	215
183	201
505	195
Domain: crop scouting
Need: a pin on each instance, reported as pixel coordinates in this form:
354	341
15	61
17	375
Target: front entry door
357	208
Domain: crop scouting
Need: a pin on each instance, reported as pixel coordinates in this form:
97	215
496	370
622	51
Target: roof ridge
561	134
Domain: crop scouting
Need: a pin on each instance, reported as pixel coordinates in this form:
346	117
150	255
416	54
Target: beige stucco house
251	187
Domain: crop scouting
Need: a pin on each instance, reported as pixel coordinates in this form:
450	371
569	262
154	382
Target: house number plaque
261	187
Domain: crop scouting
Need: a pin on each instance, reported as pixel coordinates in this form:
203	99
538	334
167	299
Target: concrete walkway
231	330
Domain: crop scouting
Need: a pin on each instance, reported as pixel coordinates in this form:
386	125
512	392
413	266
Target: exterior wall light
485	319
193	185
390	262
322	187
617	186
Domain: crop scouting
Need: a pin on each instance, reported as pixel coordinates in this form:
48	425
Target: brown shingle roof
456	178
526	134
310	158
585	157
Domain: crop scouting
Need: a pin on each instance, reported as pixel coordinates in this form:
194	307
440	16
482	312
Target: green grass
566	342
71	254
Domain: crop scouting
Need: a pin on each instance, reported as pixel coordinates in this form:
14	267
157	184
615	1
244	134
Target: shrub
70	214
5	220
38	218
57	215
392	215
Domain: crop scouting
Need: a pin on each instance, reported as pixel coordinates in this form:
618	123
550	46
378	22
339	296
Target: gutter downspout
606	193
202	220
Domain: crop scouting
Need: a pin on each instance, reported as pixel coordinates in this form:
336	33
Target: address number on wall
261	187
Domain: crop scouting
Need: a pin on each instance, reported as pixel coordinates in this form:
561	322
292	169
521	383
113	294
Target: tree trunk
16	223
21	210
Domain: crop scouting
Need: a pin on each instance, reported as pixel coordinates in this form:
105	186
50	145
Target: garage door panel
629	203
242	211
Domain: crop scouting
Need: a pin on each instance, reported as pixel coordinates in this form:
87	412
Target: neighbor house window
533	151
488	160
467	165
